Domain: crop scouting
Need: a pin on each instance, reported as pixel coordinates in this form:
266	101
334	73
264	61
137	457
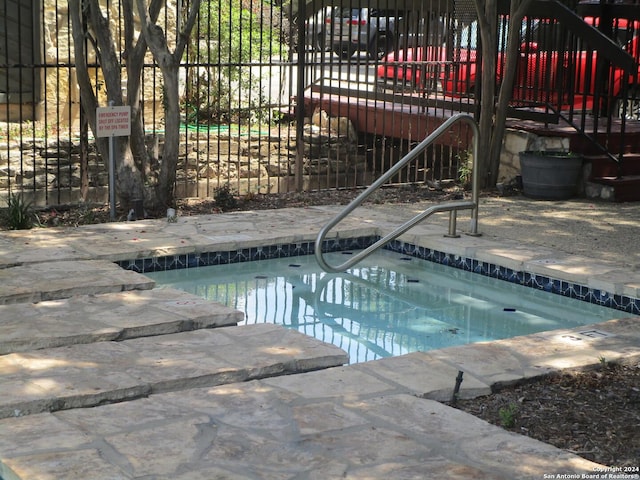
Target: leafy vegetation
508	415
19	215
465	168
24	129
225	198
226	85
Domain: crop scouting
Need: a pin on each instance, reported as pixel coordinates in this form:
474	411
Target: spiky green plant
19	214
508	415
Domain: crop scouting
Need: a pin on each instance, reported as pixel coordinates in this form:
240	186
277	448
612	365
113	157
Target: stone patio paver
190	405
267	430
107	317
85	375
36	282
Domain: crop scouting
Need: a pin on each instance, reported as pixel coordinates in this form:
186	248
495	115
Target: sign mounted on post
113	121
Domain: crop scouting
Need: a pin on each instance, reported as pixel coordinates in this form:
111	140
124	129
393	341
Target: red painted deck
414	121
406	121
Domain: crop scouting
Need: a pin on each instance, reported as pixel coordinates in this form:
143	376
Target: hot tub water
387	305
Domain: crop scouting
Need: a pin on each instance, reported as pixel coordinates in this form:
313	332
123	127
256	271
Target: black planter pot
550	175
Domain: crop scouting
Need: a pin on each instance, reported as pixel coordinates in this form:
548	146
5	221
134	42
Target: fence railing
244	123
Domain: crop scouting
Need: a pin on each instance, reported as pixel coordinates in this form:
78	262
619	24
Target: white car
365	29
318	30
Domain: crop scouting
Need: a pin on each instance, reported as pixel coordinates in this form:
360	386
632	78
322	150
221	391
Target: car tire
320	45
317	42
385	89
633	105
343	51
380	46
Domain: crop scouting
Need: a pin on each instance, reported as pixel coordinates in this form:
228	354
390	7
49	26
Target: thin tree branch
185	33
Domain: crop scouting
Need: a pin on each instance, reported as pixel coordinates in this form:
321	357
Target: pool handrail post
453	217
451	207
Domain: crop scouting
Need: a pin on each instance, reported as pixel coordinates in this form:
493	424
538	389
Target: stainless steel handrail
451	207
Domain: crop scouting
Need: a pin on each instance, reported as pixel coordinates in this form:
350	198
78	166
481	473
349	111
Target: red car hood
430	54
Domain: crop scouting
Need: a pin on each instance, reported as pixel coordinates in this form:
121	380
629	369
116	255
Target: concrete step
38	282
107	317
88	375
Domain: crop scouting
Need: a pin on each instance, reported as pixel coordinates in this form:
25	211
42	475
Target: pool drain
595	334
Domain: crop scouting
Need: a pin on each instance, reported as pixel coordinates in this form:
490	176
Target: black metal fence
250	64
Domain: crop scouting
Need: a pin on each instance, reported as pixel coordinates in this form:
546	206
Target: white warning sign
113	121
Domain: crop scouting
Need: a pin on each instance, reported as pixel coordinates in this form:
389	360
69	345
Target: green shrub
225	197
224	88
508	415
19	214
465	168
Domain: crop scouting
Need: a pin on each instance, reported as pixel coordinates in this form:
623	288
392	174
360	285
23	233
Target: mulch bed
594	414
74	215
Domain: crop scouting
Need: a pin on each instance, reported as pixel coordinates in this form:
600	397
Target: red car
544	75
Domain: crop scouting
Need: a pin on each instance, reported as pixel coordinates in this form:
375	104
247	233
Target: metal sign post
113	122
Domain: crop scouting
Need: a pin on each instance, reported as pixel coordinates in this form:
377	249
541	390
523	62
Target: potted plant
550	174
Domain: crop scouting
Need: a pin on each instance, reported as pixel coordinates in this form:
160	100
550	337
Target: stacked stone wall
61	94
48	170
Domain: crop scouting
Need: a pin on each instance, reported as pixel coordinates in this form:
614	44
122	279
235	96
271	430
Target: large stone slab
107	317
511	360
19	247
436	379
37	282
260	430
92	374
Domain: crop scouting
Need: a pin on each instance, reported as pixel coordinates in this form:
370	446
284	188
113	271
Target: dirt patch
594	414
74	215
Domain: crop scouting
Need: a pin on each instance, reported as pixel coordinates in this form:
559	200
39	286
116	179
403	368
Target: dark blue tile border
191	260
540	282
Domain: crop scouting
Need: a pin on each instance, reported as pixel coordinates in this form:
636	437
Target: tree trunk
143	156
487	21
90	26
166	180
169	64
493	115
516	15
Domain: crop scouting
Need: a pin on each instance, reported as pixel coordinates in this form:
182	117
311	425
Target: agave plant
19	215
